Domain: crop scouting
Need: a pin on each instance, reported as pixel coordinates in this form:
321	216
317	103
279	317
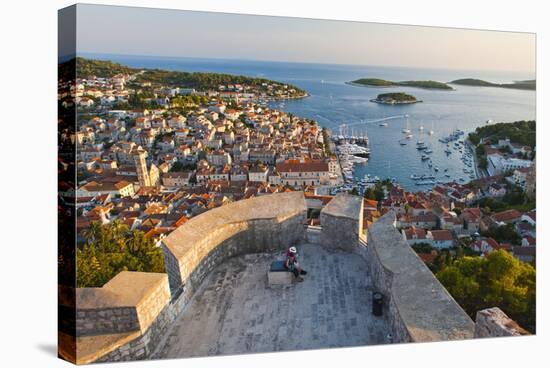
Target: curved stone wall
127	318
418	307
255	225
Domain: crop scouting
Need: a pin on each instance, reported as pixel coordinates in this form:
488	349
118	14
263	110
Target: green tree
483	162
369	194
503	234
480	150
474	138
497	280
110	249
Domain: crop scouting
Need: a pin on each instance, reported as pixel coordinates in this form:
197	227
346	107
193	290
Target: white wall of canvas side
28	266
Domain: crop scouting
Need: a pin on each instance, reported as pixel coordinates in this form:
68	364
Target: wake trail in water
378	120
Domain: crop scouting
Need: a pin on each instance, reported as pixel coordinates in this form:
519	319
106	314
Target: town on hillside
151	156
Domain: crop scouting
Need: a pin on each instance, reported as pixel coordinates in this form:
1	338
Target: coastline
400	86
480	173
393	102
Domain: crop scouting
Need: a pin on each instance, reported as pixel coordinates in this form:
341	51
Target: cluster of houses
446	215
95	92
155	168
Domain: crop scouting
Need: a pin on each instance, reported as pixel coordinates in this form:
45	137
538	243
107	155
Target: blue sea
332	103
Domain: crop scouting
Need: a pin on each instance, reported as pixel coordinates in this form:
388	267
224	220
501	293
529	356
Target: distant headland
375	82
395	98
526	84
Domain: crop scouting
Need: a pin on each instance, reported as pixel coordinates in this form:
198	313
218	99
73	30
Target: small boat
383	124
428	151
436	169
403	143
425	157
409	136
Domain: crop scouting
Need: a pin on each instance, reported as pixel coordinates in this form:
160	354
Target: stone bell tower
141	169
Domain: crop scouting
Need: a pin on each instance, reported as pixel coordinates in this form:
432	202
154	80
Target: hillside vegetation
428	84
521	132
198	80
526	84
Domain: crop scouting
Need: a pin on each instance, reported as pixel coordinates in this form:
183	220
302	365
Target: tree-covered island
526	84
395	98
375	82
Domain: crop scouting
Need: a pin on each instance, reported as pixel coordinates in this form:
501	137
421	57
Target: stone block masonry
128	317
128	302
342	222
418	307
139	315
493	322
122	320
266	223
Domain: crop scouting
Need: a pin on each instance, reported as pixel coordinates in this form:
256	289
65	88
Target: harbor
331	102
353	151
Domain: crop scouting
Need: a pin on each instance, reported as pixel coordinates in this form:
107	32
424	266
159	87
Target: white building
296	173
497	164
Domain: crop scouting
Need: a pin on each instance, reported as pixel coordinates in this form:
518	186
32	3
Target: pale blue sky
157	32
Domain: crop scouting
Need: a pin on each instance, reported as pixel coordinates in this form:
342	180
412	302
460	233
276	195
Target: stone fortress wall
259	224
418	307
128	318
342	222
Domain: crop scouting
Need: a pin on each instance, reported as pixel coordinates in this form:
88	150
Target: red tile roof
441	235
296	166
507	215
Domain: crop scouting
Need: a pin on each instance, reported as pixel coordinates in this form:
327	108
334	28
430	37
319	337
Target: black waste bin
377	303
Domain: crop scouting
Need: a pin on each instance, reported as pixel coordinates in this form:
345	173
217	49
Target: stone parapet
120	320
418	307
493	322
259	224
342	222
129	302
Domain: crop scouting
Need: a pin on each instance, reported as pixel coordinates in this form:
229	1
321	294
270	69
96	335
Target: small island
375	82
526	84
395	98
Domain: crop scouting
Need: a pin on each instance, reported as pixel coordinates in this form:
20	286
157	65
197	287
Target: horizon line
95	53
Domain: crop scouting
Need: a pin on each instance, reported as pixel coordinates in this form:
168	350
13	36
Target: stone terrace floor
235	312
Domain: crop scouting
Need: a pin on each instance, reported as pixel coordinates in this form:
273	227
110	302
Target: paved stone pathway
235	312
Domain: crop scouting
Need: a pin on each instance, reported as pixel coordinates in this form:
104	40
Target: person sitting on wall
291	264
